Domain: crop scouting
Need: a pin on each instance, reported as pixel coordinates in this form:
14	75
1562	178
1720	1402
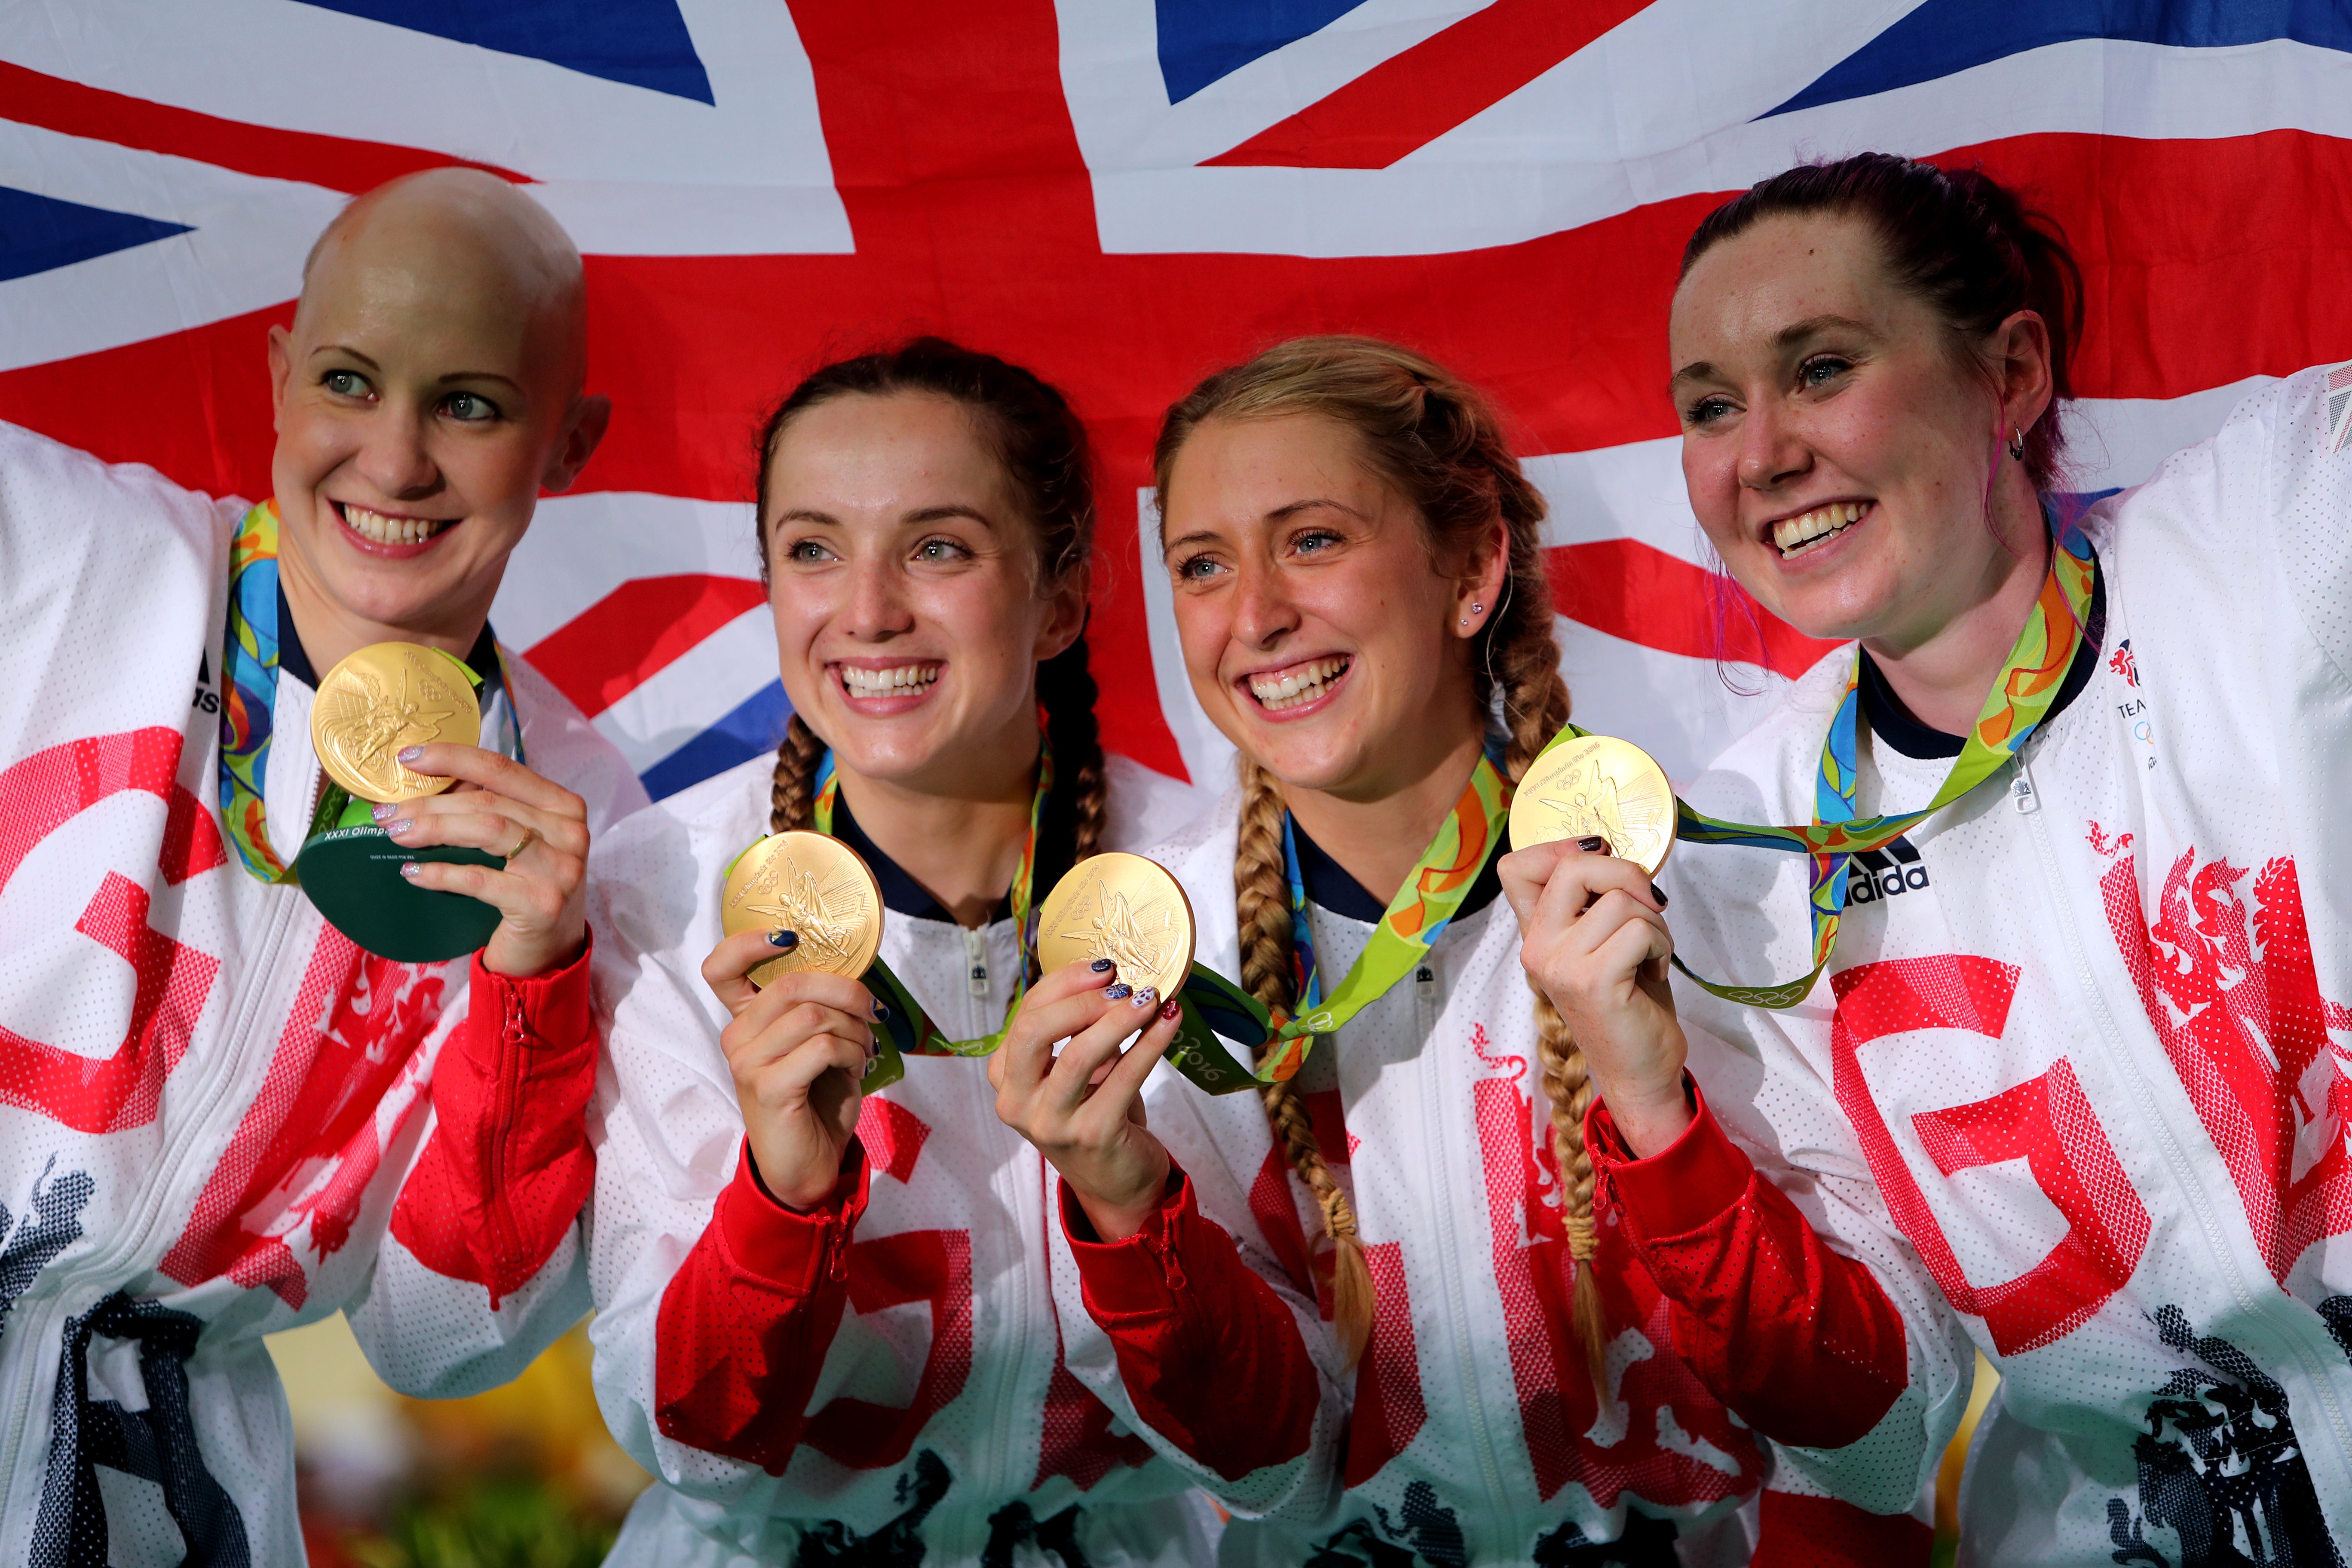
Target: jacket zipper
1466	1361
2184	1175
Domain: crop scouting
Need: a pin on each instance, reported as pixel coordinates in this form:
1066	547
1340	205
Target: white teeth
1795	535
1303	684
383	529
895	681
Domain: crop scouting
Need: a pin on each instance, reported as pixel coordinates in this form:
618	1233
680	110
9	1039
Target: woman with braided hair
825	1318
1361	599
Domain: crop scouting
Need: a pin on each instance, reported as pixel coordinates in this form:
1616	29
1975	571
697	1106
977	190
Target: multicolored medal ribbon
2019	699
1424	906
908	1029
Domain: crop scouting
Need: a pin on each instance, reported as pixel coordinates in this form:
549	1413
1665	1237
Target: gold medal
1598	785
380	701
1123	908
813	887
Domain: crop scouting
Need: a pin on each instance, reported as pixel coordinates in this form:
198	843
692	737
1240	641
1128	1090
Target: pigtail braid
1262	903
1081	800
792	798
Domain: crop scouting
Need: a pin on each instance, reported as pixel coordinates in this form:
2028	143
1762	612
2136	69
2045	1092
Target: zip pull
976	953
2021	790
1425	983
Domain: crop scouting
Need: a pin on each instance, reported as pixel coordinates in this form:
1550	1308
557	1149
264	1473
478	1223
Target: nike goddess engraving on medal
814	887
1123	908
1598	784
381	699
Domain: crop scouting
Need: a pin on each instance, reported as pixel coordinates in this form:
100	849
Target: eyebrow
918	517
1279	514
1787	338
454	377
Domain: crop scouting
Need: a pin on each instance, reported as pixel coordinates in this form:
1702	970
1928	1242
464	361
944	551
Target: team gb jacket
881	1381
2074	1090
1473	1434
217	1117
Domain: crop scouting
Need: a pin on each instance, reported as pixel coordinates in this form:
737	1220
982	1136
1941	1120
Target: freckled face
1836	449
902	573
1315	628
423	398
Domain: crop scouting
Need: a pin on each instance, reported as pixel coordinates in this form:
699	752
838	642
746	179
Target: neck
330	634
962	848
1942	672
1379	841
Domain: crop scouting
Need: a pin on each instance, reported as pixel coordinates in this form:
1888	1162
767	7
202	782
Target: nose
1263	612
878	610
394	457
1771	452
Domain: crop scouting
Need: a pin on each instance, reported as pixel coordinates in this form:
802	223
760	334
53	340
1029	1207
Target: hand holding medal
803	916
427	846
1115	938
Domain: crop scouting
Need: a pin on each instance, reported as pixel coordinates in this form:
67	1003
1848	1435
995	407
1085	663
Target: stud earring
1475	609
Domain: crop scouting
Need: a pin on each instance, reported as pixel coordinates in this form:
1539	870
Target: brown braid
1439	442
792	798
1262	908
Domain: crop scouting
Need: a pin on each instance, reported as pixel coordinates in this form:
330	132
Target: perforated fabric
208	1100
944	1418
2074	1091
1472	1431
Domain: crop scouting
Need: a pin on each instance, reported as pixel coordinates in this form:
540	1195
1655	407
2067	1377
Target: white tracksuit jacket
1473	1434
2075	1088
882	1381
217	1117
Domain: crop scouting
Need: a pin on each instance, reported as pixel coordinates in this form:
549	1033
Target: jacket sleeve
482	1267
1795	1300
1192	1334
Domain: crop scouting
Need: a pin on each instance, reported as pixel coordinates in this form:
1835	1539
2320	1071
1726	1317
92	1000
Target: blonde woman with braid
1361	599
825	1319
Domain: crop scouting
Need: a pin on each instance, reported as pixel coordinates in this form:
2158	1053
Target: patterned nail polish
1120	990
409	869
881	1012
382	811
787	939
1101	965
1146	997
1172	1009
396	828
1594	844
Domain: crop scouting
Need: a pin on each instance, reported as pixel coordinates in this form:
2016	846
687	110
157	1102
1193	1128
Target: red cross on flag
1123	195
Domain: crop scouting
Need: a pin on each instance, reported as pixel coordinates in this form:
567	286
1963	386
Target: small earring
2017	444
1475	608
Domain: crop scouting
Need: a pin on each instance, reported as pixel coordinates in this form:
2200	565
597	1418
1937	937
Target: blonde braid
792	798
1262	906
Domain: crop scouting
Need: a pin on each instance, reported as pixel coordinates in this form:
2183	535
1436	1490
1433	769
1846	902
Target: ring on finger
521	844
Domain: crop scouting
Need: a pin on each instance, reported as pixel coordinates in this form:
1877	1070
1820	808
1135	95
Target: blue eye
1315	542
940	551
1706	411
1823	369
345	384
469	407
1193	568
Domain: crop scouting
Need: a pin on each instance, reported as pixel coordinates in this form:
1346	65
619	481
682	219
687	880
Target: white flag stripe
622	160
582	547
686	697
1524	167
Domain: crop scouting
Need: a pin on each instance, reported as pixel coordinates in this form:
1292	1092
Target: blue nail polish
410	753
396	828
380	812
1101	965
1120	990
881	1012
1146	997
787	939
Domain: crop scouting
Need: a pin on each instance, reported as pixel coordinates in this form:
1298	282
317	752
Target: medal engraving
379	701
813	887
1123	908
1598	785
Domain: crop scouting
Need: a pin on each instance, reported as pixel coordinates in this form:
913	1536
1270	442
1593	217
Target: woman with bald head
220	1117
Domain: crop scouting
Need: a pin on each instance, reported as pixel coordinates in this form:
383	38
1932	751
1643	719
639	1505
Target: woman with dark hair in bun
2067	842
826	1318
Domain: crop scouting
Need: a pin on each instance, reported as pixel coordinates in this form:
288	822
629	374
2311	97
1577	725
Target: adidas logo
1876	874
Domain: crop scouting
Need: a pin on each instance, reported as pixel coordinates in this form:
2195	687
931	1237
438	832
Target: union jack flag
1124	193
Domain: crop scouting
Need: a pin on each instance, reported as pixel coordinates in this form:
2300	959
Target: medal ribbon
907	1029
249	699
1416	917
2019	699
